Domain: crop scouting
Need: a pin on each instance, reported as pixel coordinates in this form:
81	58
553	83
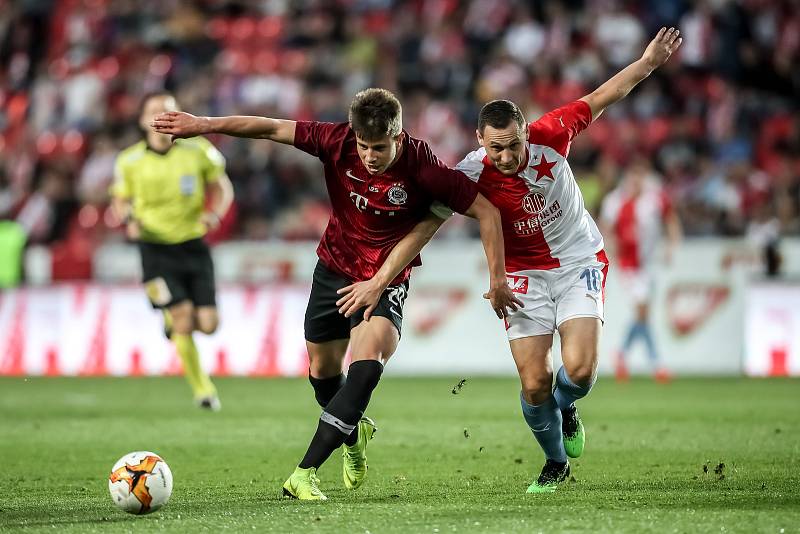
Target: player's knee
537	389
324	367
325	360
582	375
182	319
207	325
183	327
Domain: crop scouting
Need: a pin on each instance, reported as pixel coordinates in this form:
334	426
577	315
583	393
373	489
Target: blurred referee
169	195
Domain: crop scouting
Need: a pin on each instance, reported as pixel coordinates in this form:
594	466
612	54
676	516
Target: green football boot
553	473
354	466
574	434
303	485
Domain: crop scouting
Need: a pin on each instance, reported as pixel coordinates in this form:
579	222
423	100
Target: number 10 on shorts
593	279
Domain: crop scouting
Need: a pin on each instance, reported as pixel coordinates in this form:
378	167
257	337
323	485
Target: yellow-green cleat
303	485
354	466
553	473
574	434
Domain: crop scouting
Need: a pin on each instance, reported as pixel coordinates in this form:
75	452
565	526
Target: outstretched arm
368	293
182	124
656	54
500	295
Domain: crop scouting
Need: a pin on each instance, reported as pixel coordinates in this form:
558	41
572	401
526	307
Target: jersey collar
153	150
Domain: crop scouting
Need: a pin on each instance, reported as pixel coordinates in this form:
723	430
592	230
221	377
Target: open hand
356	296
502	298
210	220
661	47
179	124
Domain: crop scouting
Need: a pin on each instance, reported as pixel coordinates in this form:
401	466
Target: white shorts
637	283
550	297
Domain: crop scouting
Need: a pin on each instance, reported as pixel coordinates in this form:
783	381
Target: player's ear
480	137
398	139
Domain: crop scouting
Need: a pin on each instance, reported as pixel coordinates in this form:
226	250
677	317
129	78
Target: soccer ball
140	482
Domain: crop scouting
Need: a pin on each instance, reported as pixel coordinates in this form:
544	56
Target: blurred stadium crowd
719	125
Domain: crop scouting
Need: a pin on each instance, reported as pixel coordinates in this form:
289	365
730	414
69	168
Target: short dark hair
376	113
152	94
499	113
143	102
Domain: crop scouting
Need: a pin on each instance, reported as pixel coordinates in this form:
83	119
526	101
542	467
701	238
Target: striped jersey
636	222
545	224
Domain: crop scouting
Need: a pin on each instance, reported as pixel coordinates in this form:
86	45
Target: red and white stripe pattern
636	222
545	224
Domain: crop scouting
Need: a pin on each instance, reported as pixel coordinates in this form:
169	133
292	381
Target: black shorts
324	322
174	273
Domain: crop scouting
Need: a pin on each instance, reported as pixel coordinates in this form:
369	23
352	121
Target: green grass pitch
439	463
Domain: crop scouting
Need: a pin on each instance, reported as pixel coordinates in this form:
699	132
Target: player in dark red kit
388	192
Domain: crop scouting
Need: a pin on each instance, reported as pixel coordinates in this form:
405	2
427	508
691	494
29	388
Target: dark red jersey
372	213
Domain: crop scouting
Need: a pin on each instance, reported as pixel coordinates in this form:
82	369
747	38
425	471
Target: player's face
635	179
378	155
504	146
154	106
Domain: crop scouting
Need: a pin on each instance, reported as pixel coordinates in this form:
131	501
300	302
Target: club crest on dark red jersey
397	195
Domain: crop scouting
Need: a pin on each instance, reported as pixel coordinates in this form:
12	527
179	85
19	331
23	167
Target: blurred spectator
98	172
12	243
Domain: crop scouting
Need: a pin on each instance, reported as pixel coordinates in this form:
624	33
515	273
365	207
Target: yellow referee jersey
167	191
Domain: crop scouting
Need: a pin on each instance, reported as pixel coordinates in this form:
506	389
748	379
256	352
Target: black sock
324	390
342	413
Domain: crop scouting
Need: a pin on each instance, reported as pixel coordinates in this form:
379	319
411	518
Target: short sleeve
559	127
441	211
121	186
449	186
318	138
213	160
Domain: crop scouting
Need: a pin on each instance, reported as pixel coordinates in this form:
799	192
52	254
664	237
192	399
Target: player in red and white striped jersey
634	216
554	252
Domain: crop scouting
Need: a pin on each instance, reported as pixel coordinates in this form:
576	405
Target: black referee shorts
323	321
174	273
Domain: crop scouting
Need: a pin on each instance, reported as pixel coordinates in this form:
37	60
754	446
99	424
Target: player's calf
566	392
568	389
342	414
544	421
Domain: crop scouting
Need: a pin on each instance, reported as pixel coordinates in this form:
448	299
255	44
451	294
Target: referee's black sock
341	415
324	390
